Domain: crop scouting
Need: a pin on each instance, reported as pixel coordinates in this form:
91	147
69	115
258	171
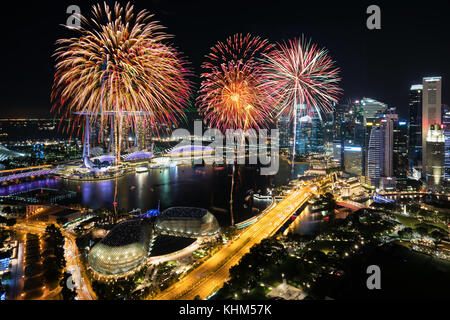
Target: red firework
232	95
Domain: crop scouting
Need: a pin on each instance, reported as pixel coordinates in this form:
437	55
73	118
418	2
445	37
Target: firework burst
119	65
300	73
231	92
302	80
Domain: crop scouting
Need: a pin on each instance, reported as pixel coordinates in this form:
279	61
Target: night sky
382	64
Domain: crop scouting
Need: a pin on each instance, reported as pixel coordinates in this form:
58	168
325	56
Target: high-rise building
380	148
415	126
435	156
284	130
446	127
431	116
387	124
375	157
353	159
337	152
368	114
371	108
310	135
400	151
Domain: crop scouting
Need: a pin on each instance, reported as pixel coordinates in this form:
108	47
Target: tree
11	222
7	209
61	220
413	208
406	233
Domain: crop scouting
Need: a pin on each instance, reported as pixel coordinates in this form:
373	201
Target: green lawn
407	221
413	222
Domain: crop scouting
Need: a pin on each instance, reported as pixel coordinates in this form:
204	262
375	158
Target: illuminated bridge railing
26	174
150	213
381	199
404	195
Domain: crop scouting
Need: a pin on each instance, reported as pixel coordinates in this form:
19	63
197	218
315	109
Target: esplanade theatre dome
124	248
187	221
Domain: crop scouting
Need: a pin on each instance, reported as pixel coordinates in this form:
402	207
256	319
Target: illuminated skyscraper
353	160
387	124
415	126
446	127
375	155
310	135
400	150
431	116
284	129
435	156
371	108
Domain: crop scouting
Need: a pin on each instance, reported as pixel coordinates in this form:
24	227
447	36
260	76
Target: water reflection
176	186
27	186
306	223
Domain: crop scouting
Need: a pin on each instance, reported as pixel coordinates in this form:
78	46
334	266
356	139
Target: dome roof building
187	221
123	249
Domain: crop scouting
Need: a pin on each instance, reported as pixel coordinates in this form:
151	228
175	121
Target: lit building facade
400	151
446	127
435	156
415	126
284	129
431	118
375	155
310	133
353	159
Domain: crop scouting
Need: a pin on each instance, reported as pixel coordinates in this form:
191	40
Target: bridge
150	213
351	205
20	173
212	273
413	194
380	199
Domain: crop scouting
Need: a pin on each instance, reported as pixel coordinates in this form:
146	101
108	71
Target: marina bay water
206	187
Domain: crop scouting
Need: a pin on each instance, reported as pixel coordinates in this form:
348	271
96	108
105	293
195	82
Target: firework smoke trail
298	73
232	95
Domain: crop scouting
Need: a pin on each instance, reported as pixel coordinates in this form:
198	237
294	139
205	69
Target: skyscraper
353	159
371	108
310	135
446	127
431	115
369	114
415	126
375	155
284	129
387	124
435	156
400	150
380	148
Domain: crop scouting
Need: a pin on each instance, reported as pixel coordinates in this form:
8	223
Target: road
84	291
74	266
211	275
17	270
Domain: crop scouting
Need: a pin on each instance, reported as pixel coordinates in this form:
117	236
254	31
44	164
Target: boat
141	169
